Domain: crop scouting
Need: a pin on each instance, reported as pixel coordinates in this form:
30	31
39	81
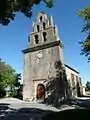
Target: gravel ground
11	108
18	104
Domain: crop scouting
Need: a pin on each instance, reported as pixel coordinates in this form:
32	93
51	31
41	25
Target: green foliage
13	93
85	14
88	85
49	3
85	44
9	79
9	8
17	78
2	92
7	75
16	89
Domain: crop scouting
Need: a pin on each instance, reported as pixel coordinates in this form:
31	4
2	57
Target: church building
43	50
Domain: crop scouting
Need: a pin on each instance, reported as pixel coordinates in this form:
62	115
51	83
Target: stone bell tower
44	48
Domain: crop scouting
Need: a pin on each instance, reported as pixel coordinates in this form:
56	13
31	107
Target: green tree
7	76
17	87
85	44
88	85
9	8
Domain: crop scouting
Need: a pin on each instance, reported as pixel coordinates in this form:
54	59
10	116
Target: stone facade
75	81
44	49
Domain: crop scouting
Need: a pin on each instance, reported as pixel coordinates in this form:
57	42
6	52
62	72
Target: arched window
38	28
44	36
44	26
36	39
40	18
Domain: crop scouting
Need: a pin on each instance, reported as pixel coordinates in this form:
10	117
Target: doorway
40	92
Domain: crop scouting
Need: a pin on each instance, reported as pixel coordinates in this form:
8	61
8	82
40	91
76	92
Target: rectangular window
73	80
72	77
80	80
77	78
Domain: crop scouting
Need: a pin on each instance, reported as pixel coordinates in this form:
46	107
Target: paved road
14	109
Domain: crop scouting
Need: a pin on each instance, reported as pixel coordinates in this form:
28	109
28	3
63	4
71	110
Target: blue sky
13	38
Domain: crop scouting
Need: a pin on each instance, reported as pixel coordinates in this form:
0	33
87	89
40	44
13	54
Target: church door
40	93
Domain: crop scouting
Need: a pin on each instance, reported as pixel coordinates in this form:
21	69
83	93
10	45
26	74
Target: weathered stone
40	57
44	65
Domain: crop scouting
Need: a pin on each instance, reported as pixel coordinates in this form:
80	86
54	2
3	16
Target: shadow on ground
85	103
78	114
6	113
3	109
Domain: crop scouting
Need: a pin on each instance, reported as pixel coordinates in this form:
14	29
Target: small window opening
44	36
38	28
28	38
44	26
36	39
40	18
